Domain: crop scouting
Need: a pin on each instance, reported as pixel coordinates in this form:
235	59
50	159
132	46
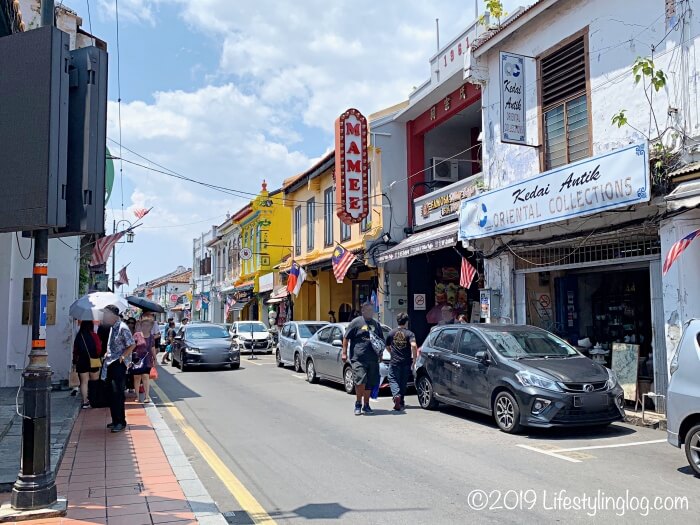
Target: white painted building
202	276
226	269
581	271
16	258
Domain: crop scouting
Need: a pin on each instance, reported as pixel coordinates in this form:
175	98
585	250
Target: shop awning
423	242
686	195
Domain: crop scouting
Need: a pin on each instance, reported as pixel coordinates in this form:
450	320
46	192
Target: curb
198	498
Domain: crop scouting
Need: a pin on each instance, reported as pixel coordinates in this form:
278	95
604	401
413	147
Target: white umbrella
89	307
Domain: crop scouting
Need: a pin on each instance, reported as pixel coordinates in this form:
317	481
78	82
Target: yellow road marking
247	501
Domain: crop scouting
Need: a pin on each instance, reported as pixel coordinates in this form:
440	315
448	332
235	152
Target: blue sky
232	92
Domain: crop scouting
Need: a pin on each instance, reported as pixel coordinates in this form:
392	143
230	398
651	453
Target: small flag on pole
230	301
678	248
104	245
123	278
342	261
141	212
467	274
297	276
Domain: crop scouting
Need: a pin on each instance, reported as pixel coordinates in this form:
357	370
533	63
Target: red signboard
351	165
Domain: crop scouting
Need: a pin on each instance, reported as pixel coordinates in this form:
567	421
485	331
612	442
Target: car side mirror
337	342
482	357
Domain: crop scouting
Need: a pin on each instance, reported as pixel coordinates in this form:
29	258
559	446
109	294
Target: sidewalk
127	478
64	409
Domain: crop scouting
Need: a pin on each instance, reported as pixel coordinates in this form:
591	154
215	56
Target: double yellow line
245	499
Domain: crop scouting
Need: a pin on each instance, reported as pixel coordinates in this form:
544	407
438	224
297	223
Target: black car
204	344
522	375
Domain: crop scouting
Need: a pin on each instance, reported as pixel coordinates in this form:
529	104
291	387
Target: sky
234	92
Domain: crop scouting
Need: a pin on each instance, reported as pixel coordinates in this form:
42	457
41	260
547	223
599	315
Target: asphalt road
305	457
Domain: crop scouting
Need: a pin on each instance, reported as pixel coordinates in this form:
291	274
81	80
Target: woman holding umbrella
87	351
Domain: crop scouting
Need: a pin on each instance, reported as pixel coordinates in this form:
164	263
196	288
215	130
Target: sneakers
397	403
358	409
118	428
367	410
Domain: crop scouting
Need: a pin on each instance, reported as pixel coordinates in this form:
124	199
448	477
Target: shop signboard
615	179
266	282
351	167
512	98
443	205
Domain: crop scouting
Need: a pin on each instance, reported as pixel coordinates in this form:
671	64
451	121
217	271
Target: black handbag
98	393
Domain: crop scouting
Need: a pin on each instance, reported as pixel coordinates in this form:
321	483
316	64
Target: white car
251	336
291	341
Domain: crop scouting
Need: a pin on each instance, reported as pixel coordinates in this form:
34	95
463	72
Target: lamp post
129	239
35	487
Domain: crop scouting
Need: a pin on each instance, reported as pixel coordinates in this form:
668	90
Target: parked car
683	398
292	338
251	336
201	344
522	375
322	357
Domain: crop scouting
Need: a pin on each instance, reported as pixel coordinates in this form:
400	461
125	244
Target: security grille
587	252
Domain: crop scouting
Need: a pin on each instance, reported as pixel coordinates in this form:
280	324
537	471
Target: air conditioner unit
444	170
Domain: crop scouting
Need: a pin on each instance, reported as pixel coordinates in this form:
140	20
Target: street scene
428	262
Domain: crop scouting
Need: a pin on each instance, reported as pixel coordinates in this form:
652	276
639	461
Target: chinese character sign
351	167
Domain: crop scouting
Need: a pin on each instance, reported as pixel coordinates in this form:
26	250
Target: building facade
575	222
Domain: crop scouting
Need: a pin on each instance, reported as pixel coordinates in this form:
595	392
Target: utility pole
114	256
35	487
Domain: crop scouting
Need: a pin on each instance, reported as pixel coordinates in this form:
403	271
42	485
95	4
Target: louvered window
565	105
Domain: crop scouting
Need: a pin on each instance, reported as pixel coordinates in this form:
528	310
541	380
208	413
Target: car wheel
173	362
183	366
278	358
506	412
235	366
692	448
426	393
311	376
297	363
349	380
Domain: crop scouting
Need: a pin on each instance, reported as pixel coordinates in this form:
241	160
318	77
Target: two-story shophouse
577	218
317	230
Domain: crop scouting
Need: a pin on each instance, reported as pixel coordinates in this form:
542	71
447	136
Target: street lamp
129	239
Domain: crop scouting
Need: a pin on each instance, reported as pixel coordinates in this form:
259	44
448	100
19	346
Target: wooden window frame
589	103
310	220
297	231
328	207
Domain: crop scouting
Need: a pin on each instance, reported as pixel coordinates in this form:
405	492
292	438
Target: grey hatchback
522	375
204	344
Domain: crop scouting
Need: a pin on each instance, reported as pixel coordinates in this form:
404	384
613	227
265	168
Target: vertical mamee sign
351	167
512	79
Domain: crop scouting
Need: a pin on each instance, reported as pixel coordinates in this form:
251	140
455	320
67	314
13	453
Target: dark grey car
201	344
522	375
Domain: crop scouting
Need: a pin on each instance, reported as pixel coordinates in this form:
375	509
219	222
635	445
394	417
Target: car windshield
251	327
307	330
528	343
207	332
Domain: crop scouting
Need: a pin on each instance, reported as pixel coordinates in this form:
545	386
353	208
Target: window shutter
564	73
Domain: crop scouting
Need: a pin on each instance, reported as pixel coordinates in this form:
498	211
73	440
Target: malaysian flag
141	212
677	249
342	261
230	301
103	246
467	274
123	278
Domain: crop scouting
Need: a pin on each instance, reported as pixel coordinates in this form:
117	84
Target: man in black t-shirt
401	343
359	337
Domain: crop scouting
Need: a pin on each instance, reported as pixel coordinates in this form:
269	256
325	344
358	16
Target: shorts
366	373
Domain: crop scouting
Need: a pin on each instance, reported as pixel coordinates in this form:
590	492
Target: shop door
361	293
566	292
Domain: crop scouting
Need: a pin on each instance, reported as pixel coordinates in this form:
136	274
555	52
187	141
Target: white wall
611	26
15	338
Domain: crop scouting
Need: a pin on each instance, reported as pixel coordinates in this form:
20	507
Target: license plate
594	400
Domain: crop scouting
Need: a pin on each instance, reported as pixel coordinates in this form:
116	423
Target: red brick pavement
118	479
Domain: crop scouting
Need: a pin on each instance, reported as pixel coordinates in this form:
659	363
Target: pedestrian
169	338
447	315
401	344
331	317
87	349
119	348
185	320
363	344
143	357
462	319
